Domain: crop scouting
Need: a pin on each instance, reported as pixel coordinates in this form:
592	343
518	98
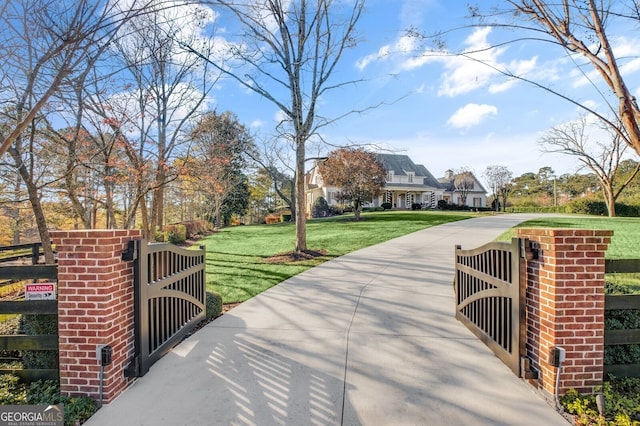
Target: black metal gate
490	301
169	299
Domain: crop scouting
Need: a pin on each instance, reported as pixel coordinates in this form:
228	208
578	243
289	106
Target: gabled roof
400	165
449	184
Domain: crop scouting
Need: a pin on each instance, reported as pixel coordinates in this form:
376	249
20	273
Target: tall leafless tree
580	27
168	89
288	53
598	148
499	179
45	48
463	182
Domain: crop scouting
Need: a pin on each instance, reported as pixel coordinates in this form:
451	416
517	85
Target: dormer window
410	177
390	177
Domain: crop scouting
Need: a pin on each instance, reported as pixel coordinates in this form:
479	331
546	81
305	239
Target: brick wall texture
95	307
565	306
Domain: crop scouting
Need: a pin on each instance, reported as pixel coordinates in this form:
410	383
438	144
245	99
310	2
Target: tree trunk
357	209
14	213
300	217
609	200
36	206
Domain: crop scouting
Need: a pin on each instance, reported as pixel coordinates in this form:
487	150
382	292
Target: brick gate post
95	307
565	306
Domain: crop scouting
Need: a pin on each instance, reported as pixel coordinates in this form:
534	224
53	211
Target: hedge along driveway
236	267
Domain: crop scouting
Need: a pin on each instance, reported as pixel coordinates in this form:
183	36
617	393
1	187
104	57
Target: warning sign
41	291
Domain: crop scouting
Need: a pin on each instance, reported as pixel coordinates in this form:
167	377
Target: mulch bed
295	256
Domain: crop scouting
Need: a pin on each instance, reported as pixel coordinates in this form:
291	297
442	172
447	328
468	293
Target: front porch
403	198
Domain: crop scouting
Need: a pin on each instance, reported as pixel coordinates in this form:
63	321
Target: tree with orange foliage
357	173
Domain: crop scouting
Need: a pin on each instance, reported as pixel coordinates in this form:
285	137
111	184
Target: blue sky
445	112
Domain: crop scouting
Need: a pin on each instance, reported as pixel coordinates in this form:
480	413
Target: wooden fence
31	251
10	272
623	337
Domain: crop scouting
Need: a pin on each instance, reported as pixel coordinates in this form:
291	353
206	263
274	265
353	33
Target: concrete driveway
369	338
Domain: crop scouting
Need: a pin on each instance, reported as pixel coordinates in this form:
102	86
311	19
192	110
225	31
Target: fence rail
622	337
21	251
16	342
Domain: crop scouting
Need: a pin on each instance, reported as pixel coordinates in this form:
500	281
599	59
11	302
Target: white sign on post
40	291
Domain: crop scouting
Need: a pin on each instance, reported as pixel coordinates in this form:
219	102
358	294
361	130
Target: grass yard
236	267
235	256
625	243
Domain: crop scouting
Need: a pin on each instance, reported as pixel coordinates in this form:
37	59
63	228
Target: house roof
449	185
402	164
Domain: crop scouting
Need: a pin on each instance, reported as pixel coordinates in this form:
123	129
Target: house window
410	177
477	202
390	177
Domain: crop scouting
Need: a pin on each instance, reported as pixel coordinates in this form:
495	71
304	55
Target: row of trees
546	189
128	81
108	95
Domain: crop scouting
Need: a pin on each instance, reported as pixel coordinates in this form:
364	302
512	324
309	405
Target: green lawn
625	243
235	256
237	271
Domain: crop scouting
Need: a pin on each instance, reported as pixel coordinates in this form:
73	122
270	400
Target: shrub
213	305
197	227
621	401
175	234
271	219
442	205
536	209
77	410
285	217
320	208
12	392
386	206
39	324
599	208
621	319
416	206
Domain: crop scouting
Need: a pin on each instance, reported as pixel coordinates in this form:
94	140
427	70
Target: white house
407	184
476	195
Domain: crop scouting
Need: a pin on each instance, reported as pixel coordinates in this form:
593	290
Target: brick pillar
95	307
565	306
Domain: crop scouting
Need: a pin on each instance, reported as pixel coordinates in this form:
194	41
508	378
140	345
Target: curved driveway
369	338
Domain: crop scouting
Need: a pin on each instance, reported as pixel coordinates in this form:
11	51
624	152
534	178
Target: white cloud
476	67
256	124
280	117
471	115
405	45
382	53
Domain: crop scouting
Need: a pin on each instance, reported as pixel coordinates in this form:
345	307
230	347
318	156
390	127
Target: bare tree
288	53
168	89
499	178
46	46
601	154
463	182
581	28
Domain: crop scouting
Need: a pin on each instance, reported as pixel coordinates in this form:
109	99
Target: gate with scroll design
490	301
169	298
